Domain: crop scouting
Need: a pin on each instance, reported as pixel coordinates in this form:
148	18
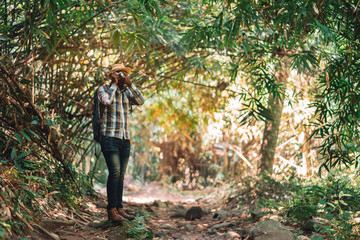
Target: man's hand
114	78
127	81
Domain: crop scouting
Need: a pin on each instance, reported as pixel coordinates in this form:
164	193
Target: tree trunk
271	131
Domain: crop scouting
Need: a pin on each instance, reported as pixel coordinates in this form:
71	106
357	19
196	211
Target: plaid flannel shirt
116	113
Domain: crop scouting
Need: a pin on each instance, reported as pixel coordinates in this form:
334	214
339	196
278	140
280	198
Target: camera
121	74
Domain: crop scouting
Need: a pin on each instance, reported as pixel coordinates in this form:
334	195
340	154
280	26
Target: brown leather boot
114	216
122	212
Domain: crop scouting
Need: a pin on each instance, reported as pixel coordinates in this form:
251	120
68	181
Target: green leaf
4	38
25	135
23	154
62	3
63	36
33	133
30	194
7	226
35	120
18	138
13	154
116	38
40	179
342	194
18	165
49	122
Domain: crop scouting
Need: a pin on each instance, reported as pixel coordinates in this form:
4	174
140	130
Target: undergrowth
137	229
333	202
26	194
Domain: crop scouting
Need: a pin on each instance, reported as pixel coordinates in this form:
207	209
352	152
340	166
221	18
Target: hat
120	67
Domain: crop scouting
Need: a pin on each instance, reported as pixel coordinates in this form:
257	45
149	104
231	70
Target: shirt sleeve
134	95
107	94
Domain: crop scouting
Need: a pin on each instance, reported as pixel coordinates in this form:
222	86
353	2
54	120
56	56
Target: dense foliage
214	74
265	39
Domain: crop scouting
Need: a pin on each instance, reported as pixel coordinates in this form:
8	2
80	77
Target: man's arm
134	95
107	94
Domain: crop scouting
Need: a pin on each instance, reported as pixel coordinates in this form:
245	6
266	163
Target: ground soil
155	202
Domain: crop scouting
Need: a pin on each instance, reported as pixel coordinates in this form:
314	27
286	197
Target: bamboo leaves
305	60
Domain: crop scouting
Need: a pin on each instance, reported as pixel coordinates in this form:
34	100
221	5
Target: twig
298	168
263	18
51	235
8	78
82	218
235	149
24	207
78	221
188	137
288	141
24	221
62	222
207	86
60	94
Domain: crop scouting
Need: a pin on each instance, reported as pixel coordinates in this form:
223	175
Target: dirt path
159	210
161	214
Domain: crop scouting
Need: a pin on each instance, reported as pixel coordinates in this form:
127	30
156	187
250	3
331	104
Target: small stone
221	214
168	226
309	226
258	214
186	225
223	225
312	225
213	233
239	213
206	210
194	213
276	218
270	230
178	215
302	237
231	235
159	234
160	204
177	208
179	211
147	208
183	238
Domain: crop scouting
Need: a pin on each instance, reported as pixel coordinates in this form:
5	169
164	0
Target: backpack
98	112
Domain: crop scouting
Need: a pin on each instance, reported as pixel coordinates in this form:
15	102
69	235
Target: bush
335	199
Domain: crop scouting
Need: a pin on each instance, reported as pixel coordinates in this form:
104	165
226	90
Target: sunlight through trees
233	89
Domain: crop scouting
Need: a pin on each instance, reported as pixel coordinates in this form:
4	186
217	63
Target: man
115	140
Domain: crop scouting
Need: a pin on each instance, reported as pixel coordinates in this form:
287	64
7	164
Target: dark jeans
116	152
